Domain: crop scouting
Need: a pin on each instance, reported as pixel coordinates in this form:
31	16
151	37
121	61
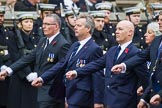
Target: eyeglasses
48	24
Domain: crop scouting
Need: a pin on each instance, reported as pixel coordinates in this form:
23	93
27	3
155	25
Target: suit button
141	46
111	76
158	81
108	86
113	34
151	90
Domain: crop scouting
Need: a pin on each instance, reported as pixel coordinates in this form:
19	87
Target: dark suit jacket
150	54
54	52
120	89
84	91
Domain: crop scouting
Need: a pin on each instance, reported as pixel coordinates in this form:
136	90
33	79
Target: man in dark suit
152	54
84	92
44	57
120	90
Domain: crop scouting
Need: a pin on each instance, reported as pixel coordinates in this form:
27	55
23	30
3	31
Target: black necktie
117	53
74	51
47	43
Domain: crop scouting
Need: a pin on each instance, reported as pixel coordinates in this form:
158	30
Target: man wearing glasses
49	51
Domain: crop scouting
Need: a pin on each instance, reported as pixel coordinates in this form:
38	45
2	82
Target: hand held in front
141	105
71	75
117	68
155	100
37	82
3	75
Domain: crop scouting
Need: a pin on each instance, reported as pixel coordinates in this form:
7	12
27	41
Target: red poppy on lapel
54	42
126	50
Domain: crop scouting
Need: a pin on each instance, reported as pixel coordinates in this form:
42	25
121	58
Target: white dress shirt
82	43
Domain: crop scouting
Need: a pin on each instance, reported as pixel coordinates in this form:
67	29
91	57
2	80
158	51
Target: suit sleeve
92	67
160	93
138	59
16	54
52	72
24	61
58	68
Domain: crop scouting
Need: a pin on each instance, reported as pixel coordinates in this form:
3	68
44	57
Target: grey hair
154	26
89	21
56	18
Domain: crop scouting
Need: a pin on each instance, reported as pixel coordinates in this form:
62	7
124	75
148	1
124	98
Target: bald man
153	94
120	89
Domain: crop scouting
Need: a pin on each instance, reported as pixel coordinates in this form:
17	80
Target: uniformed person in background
109	28
104	40
5	58
46	9
21	93
87	5
70	18
26	5
133	14
155	9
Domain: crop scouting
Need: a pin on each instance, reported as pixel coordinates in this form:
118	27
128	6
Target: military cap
103	6
27	15
2	9
69	12
156	6
156	9
47	7
155	16
132	10
97	14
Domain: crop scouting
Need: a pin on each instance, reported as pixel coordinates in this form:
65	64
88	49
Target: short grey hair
154	26
56	18
89	21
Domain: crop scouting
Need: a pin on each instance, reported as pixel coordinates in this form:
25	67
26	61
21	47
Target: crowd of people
72	56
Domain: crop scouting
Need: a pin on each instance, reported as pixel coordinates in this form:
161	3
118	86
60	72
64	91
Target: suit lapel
155	49
53	43
124	54
49	49
41	49
81	51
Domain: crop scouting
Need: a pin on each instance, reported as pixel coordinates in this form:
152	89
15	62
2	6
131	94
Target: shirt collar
83	42
125	45
52	37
